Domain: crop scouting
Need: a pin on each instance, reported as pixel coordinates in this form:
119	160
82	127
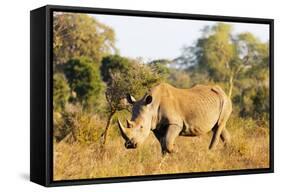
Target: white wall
14	94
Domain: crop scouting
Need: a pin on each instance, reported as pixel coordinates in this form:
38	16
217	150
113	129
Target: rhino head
138	128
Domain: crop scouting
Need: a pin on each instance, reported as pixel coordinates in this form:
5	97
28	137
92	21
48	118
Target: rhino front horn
122	129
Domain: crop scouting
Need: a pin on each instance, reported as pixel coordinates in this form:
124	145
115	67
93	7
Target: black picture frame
41	123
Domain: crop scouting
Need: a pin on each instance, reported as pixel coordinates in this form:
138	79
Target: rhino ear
131	99
148	99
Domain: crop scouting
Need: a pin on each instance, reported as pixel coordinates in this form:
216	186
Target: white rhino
170	112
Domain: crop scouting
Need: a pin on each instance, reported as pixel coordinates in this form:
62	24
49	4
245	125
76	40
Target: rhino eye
148	99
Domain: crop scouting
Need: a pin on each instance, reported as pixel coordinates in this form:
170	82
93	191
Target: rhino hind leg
216	135
219	130
225	136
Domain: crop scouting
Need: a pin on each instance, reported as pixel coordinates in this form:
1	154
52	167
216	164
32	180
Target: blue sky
155	38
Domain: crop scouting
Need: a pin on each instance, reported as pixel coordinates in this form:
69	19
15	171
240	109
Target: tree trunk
104	134
230	86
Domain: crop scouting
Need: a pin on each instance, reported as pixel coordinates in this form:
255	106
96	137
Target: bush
75	125
60	131
84	78
61	91
160	67
113	63
88	128
261	102
136	80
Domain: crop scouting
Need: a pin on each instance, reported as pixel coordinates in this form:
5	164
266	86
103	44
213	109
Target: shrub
160	67
61	91
84	79
75	125
113	63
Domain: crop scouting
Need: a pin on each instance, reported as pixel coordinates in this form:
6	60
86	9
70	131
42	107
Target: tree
125	76
222	55
254	56
61	91
179	78
237	62
78	35
250	47
84	78
213	53
160	66
217	53
188	57
113	63
261	101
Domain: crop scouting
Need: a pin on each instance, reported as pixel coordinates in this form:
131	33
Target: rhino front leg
172	133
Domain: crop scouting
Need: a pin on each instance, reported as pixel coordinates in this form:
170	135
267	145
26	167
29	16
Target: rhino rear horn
129	123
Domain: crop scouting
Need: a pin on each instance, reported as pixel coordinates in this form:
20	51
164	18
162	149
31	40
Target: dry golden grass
249	149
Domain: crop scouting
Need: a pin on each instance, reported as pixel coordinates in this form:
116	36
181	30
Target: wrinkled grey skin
170	112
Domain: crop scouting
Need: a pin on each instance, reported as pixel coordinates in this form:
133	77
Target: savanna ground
248	149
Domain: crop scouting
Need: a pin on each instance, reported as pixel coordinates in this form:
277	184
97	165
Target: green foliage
160	67
78	35
127	76
261	101
217	51
113	63
251	48
61	91
84	78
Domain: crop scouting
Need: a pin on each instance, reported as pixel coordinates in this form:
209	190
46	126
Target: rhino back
196	109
